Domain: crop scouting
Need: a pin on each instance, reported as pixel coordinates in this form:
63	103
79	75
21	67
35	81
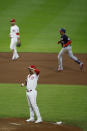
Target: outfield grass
39	21
56	102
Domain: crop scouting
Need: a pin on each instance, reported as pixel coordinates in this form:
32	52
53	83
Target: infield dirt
16	71
19	124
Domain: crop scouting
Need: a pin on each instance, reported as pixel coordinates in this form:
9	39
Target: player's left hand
58	42
18	43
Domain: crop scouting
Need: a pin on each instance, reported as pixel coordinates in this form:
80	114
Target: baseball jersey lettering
31	77
64	40
32	82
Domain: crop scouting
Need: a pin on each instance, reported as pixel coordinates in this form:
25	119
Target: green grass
56	102
39	21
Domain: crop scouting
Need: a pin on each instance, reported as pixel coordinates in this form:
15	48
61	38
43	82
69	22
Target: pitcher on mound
31	93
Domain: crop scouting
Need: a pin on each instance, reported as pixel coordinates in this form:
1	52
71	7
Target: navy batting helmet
62	30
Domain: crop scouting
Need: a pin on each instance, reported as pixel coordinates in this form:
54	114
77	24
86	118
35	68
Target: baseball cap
62	30
32	67
13	20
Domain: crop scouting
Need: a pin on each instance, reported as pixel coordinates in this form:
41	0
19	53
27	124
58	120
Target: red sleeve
68	43
17	33
37	71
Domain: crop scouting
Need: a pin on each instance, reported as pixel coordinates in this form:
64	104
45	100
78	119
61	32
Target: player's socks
78	61
81	64
16	54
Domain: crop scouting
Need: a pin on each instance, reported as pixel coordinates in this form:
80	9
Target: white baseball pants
67	49
31	97
13	47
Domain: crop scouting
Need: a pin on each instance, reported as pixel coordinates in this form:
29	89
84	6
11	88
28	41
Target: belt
66	46
13	37
29	90
68	43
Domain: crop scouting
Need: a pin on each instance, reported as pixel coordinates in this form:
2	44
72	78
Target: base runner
31	93
66	47
14	36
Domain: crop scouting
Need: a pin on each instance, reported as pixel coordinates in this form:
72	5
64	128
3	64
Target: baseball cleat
81	66
15	58
30	120
59	70
38	121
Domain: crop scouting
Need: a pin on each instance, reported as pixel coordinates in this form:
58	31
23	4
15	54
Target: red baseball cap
32	67
12	20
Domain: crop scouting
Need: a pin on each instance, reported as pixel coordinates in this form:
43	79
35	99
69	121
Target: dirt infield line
16	71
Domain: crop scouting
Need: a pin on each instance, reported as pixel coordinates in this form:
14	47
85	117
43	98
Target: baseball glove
18	43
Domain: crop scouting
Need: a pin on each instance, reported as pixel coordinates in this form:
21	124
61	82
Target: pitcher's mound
19	124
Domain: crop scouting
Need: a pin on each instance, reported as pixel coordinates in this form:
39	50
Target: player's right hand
9	36
22	84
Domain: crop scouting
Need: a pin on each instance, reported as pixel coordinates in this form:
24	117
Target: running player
66	47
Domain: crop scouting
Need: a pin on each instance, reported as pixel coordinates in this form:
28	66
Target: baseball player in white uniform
66	47
31	93
14	36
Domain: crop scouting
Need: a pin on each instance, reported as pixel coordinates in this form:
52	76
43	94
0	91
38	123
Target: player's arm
24	84
18	38
10	33
18	34
60	41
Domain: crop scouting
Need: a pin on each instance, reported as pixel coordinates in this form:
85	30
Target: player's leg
13	48
39	118
74	57
31	119
15	53
33	96
60	68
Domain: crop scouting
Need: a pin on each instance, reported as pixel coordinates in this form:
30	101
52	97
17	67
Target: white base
59	123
